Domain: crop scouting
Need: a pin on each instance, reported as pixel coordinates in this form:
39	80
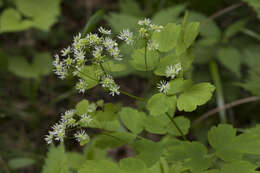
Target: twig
226	106
223	11
177	126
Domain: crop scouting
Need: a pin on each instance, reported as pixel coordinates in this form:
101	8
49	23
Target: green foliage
56	161
41	65
20	162
38	14
255	4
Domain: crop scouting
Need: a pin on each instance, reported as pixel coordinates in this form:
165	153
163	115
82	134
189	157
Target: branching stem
177	126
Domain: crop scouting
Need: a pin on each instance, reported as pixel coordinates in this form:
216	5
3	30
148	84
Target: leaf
43	15
114	139
158	104
238	167
20	162
132	165
156	125
144	148
114	66
252	84
234	146
166	61
194	96
255	5
190	33
92	21
231	59
56	160
118	22
82	107
20	67
168	15
99	166
75	160
182	122
167	38
138	59
132	119
178	85
42	63
90	74
109	113
192	154
234	28
10	21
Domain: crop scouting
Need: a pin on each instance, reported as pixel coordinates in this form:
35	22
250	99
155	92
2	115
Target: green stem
145	56
176	125
220	96
251	34
102	68
131	95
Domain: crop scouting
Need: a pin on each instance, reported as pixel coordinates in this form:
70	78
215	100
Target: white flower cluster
91	49
68	120
109	83
172	71
126	36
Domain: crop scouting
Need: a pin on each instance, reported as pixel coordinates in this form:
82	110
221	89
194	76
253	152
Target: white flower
65	51
152	45
163	87
85	119
80	135
146	22
81	86
109	43
126	36
172	71
114	89
156	28
104	31
68	114
48	138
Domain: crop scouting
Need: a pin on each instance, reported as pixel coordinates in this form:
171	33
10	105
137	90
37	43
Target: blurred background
227	53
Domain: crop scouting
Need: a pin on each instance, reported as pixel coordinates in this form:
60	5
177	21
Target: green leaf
182	122
43	15
109	113
234	28
167	38
20	162
82	107
256	6
132	119
234	146
138	59
158	104
238	167
190	33
90	74
99	166
149	151
92	21
114	66
10	21
168	15
118	22
41	65
194	96
178	85
56	160
113	140
156	125
166	61
75	160
192	154
132	165
231	59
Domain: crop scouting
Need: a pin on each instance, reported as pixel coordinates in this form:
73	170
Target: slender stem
251	34
102	68
131	95
220	96
145	56
229	105
107	134
176	125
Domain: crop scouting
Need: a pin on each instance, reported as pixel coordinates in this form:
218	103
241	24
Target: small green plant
164	54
